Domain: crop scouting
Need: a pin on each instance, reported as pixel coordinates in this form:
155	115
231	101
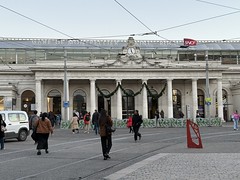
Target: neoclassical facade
64	75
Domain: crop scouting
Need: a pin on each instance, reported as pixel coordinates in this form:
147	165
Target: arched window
152	104
177	102
28	101
128	104
79	101
54	102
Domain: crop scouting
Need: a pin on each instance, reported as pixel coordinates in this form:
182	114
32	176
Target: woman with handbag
43	129
2	132
105	123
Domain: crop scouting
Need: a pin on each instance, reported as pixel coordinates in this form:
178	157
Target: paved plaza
162	153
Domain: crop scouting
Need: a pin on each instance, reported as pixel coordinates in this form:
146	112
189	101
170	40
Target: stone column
219	99
194	99
170	100
145	101
92	95
38	95
119	101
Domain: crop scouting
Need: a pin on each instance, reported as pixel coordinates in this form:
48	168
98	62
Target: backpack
87	118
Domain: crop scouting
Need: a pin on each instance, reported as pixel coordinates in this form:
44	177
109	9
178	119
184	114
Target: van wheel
22	135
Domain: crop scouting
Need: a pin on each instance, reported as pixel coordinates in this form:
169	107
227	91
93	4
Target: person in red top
235	117
87	121
43	128
129	124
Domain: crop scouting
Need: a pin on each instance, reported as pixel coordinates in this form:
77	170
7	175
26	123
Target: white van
17	124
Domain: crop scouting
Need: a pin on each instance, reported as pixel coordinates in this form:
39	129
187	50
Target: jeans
235	124
96	128
2	142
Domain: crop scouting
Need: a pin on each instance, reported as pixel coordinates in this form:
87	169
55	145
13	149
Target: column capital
144	81
119	81
38	80
194	79
92	79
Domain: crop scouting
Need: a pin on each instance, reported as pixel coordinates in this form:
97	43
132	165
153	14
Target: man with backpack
33	118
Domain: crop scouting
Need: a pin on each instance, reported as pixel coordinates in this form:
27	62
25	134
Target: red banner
189	42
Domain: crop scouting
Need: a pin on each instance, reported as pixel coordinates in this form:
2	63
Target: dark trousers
106	142
136	132
42	141
2	142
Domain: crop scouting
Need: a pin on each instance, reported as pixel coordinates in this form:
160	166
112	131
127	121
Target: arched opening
177	102
128	104
104	103
201	103
54	101
79	102
152	104
28	101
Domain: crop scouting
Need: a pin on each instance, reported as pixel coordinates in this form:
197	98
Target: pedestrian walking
162	114
105	121
2	132
33	118
74	124
136	123
43	129
129	124
95	118
87	119
235	117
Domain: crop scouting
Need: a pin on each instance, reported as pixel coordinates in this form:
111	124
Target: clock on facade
131	50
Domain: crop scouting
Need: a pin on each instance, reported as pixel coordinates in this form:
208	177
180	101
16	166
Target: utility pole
65	101
207	99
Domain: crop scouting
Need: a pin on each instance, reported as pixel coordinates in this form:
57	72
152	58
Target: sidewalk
183	166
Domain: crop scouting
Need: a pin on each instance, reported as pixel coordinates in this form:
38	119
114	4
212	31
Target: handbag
3	129
34	134
110	129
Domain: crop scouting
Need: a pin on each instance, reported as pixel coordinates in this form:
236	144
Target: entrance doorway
54	101
79	102
28	101
152	104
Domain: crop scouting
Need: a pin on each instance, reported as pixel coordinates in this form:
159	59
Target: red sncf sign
189	42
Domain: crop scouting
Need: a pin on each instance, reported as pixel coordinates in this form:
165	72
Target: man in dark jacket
95	118
136	123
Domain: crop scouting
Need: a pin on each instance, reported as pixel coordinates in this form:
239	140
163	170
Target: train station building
67	75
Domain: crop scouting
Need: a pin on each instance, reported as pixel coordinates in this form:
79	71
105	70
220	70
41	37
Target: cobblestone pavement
183	166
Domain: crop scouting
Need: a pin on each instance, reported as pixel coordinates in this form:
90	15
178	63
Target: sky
118	19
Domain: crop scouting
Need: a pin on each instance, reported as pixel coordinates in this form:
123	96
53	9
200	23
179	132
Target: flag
189	42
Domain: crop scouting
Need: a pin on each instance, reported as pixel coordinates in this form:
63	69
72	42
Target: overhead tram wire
151	31
71	38
220	5
137	34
